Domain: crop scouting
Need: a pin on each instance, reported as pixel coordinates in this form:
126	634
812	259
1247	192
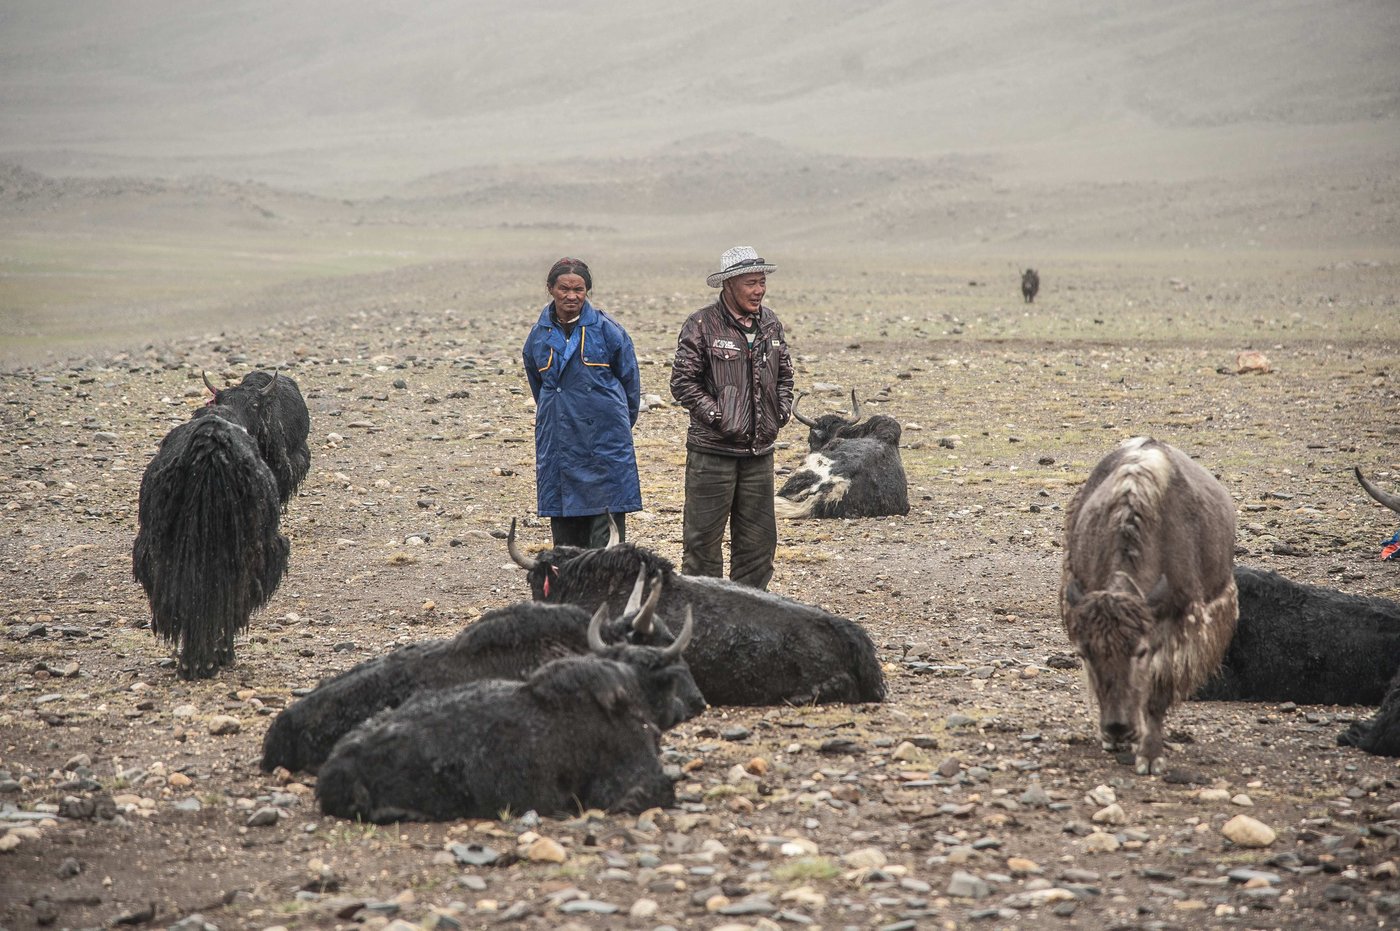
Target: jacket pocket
730	417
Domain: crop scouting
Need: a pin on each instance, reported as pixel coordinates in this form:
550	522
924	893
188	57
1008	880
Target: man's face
746	292
569	293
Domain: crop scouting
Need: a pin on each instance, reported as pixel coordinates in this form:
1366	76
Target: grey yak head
1118	635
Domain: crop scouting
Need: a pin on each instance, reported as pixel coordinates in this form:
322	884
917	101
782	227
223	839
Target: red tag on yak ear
546	586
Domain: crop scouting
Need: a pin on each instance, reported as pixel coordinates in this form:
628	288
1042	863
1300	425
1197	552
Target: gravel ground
977	796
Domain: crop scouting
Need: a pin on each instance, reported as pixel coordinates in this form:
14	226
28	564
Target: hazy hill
335	95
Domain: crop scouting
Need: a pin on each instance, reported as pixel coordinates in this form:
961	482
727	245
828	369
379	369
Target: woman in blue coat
583	374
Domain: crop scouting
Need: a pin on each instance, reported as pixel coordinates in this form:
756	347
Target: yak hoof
1153	767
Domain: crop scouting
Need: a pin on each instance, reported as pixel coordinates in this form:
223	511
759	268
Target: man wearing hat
733	373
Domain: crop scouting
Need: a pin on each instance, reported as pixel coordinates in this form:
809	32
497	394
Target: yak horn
673	652
855	408
207	383
642	622
1389	500
595	629
800	419
614	536
267	389
517	557
634	603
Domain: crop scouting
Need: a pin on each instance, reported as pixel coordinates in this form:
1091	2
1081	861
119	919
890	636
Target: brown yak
1148	588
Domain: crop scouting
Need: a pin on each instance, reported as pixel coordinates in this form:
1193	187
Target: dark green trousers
733	490
589	532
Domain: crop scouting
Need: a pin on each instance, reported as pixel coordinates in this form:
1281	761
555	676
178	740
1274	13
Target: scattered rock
223	724
1247	832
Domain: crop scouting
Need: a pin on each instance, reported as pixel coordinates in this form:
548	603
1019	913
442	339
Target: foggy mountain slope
323	94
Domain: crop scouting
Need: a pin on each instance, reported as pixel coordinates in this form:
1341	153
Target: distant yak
208	552
1030	285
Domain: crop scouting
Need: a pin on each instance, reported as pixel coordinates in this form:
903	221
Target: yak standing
853	469
1030	285
1148	592
208	551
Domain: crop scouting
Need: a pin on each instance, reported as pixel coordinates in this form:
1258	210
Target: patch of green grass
352	833
806	869
800	554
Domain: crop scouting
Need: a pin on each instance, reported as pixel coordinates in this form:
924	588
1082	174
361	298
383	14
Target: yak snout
1118	734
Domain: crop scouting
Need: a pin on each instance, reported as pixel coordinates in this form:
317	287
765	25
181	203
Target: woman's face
569	293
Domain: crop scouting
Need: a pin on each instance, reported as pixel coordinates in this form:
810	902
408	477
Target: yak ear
1073	593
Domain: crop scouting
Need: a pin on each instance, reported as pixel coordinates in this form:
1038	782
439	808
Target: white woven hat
741	260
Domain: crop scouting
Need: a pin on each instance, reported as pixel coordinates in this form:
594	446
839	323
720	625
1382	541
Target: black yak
581	732
750	647
853	469
507	643
208	552
1306	644
1148	591
278	421
1379	734
1030	285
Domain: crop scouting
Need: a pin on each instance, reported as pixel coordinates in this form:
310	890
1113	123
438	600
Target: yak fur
581	732
208	552
1306	644
1380	734
853	469
506	643
749	647
1148	592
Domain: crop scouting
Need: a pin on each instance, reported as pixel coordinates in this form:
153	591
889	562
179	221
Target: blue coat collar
586	317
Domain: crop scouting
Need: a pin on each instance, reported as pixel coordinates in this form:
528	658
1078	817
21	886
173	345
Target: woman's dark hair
568	266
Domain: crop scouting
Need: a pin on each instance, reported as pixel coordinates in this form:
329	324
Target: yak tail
788	509
866	676
208	551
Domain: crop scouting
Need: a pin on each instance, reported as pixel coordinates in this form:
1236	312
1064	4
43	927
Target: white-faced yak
853	468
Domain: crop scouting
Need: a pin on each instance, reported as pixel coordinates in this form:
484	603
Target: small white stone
1100	842
1110	814
1247	832
866	858
1242	800
1101	796
222	724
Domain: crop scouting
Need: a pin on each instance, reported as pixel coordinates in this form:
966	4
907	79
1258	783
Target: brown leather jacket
738	397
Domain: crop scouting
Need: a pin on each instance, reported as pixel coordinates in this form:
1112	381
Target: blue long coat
587	393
